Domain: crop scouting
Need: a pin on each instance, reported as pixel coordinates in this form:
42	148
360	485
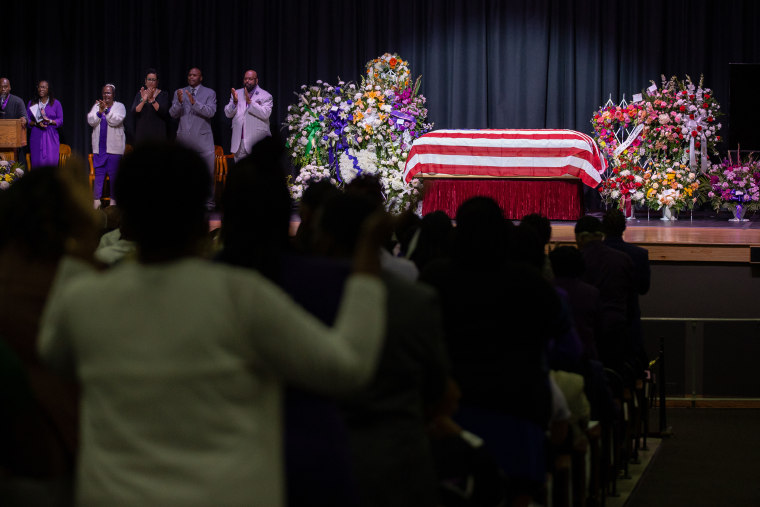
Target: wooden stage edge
684	240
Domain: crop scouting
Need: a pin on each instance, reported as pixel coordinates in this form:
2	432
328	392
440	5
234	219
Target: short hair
540	224
567	261
162	189
151	70
113	87
613	222
589	224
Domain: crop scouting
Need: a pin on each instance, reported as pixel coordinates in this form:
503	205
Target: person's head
567	262
43	91
108	94
481	233
540	224
250	80
162	190
340	223
151	78
44	209
613	223
588	229
368	185
5	86
312	201
526	246
257	209
194	77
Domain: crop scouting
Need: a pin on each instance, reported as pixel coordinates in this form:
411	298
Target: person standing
12	108
108	141
194	106
249	108
45	117
150	110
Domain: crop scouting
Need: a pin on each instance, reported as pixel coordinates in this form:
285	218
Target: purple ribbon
403	116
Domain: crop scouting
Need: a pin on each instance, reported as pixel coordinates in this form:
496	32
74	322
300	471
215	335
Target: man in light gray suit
249	108
194	106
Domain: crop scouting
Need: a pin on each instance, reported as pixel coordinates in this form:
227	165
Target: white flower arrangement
348	128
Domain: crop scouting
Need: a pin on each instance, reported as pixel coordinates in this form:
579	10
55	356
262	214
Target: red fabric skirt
554	199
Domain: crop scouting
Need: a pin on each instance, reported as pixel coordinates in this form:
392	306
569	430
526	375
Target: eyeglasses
151	79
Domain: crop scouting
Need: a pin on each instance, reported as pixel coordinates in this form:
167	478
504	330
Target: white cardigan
182	366
116	140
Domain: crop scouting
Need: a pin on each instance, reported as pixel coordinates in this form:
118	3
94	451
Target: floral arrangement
608	121
730	183
341	131
9	172
625	181
681	121
670	184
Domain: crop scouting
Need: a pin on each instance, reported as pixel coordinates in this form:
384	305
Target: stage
707	237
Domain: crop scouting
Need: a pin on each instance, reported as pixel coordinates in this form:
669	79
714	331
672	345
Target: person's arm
161	105
206	109
138	103
92	117
176	110
263	109
55	115
231	108
115	117
53	341
30	115
296	346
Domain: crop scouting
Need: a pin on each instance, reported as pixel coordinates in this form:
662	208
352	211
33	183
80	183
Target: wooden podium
12	137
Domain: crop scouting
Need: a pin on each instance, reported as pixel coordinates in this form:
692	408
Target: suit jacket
195	120
250	122
640	258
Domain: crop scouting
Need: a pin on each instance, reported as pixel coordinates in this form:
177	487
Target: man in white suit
249	108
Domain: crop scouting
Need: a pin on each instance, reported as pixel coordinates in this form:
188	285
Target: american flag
507	153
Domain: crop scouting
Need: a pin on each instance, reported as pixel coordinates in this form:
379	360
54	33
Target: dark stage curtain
495	64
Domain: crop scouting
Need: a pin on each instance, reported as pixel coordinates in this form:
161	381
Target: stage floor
705	237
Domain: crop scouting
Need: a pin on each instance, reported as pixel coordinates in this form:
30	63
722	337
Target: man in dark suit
612	272
194	106
613	225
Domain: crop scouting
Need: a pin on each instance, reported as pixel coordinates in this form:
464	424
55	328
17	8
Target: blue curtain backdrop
485	63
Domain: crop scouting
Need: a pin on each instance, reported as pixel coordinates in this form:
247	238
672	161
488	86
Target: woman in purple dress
45	117
108	140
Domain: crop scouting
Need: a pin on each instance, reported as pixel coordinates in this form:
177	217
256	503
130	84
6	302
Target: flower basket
9	172
670	184
734	185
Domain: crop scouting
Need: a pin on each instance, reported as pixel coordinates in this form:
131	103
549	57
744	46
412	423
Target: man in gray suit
194	106
249	108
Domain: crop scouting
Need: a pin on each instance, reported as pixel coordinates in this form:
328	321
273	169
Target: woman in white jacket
108	141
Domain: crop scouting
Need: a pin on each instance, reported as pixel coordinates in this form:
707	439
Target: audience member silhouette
39	214
568	267
434	239
255	227
612	272
613	225
499	318
312	200
386	420
182	392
